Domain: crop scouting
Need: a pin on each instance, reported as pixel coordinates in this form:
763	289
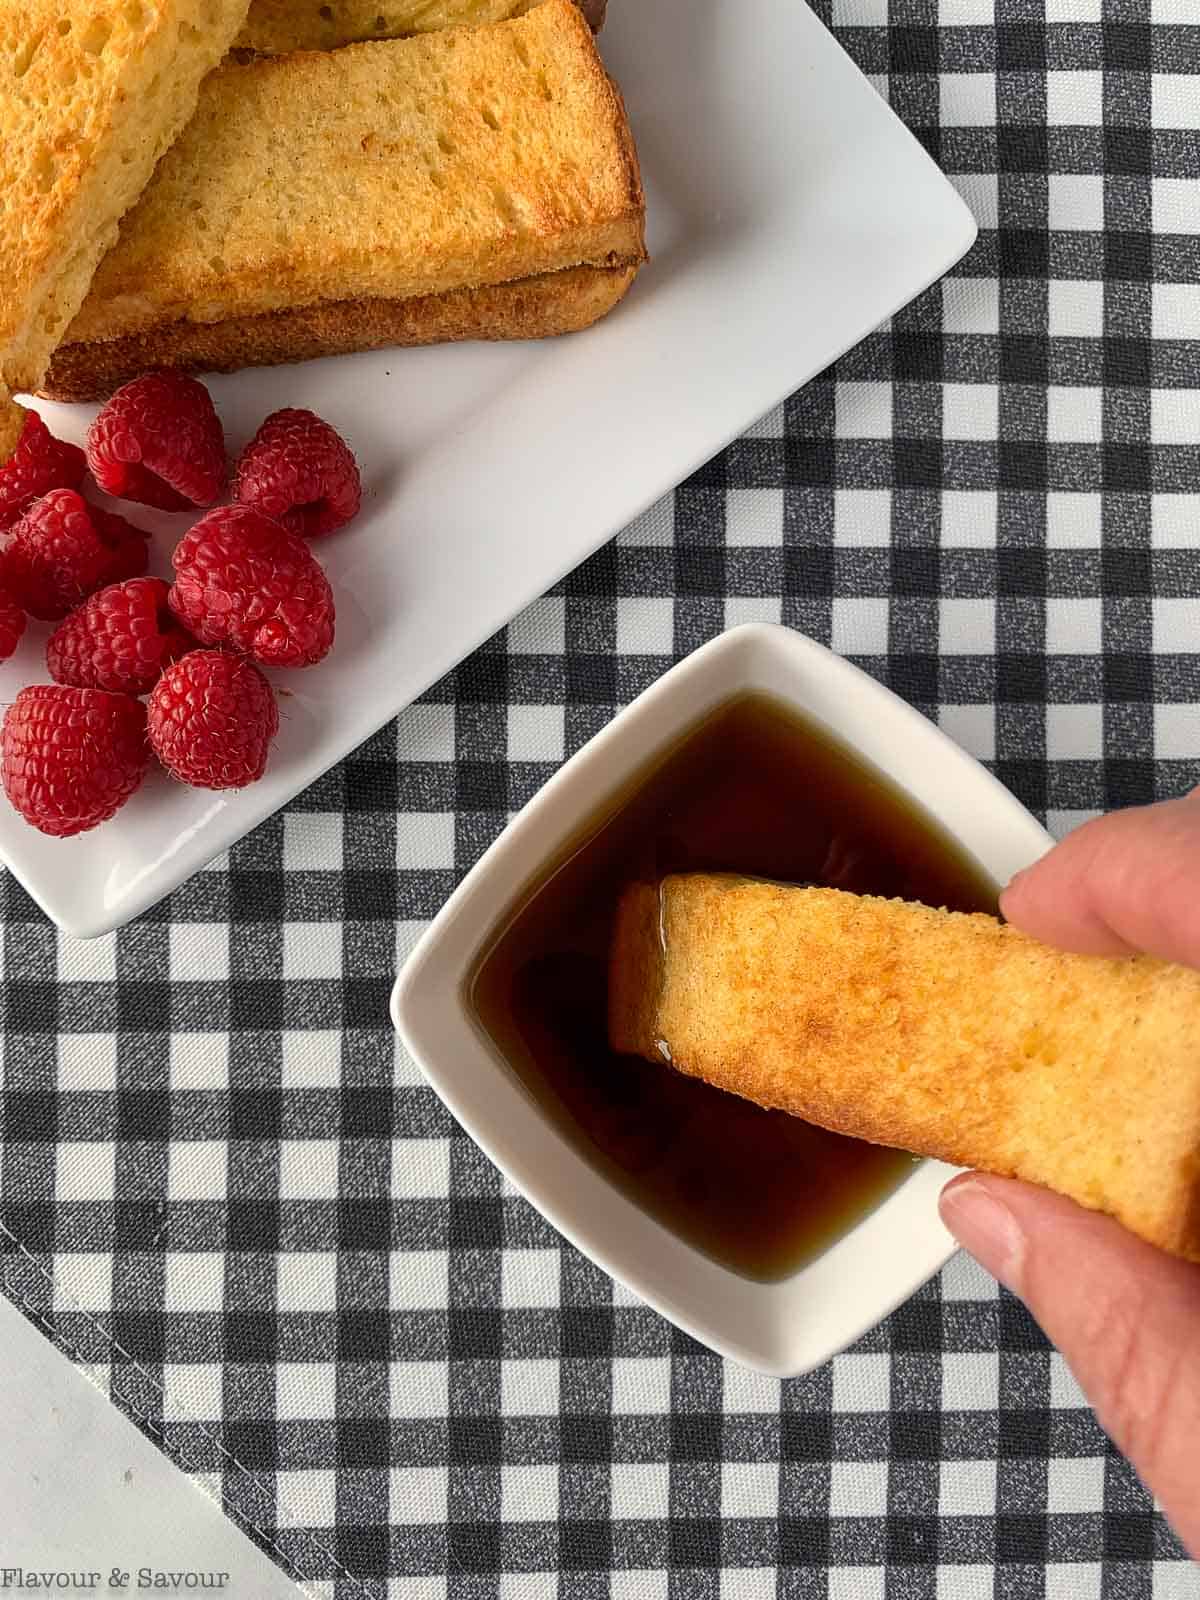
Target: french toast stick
275	26
12	425
948	1034
92	92
530	308
386	171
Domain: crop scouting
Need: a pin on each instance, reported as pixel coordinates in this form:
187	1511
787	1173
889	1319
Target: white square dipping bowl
795	1323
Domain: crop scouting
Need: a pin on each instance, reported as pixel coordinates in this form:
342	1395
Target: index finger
1126	882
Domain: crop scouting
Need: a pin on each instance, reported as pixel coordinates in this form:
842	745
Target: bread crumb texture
396	169
275	26
948	1034
12	425
91	94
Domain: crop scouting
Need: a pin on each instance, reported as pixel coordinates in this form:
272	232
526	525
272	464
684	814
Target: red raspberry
129	551
39	462
211	719
300	471
120	639
241	579
71	757
12	624
158	440
62	550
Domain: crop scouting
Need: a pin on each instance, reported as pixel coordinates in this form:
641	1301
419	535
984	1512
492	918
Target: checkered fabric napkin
231	1199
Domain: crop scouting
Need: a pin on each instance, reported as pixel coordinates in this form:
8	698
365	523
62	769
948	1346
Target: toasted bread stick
91	94
411	167
948	1034
531	308
12	425
276	26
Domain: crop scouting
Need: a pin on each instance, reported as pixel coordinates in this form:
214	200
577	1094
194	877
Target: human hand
1125	1315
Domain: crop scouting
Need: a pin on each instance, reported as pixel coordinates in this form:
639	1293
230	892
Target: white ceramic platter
790	213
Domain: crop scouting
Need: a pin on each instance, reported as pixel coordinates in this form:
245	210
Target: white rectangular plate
790	213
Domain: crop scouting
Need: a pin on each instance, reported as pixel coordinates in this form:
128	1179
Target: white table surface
81	1488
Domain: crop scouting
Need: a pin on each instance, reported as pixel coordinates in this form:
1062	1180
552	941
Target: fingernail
986	1227
1015	880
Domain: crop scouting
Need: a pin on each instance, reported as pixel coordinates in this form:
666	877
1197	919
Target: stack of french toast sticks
202	185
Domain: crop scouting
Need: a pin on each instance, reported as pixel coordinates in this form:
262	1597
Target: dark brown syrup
753	789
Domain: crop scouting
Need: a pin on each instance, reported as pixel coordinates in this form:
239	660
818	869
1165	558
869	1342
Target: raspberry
158	440
71	757
211	720
12	624
120	639
129	552
40	462
300	471
62	550
241	579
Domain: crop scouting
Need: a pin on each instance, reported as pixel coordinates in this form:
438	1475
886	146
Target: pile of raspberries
247	594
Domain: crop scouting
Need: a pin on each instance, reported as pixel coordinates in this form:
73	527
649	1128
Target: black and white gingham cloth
227	1194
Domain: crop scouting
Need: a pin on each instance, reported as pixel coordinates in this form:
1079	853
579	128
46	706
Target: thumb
1123	1314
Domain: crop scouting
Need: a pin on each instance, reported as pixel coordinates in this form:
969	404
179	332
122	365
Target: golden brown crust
632	166
381	171
533	308
951	1035
276	26
12	425
635	973
91	94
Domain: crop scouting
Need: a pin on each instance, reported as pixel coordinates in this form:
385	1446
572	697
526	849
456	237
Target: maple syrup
753	788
